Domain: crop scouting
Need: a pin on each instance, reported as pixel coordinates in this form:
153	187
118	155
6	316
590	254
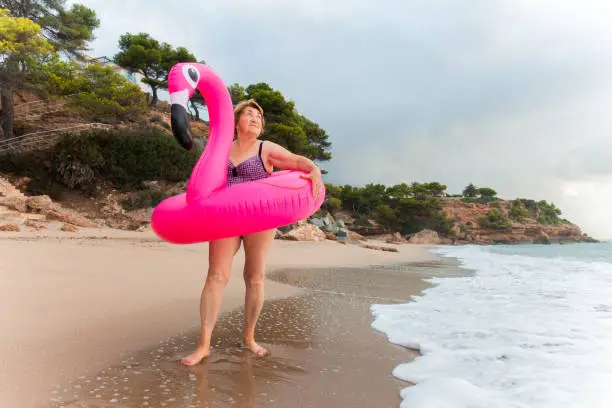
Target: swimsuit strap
260	158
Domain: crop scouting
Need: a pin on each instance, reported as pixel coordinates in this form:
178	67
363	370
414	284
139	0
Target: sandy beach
100	318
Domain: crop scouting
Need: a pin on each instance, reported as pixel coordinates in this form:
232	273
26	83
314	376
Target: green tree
517	212
317	139
487	192
67	31
435	189
332	190
21	44
237	93
197	102
548	213
333	204
470	191
97	92
283	124
494	219
385	216
143	54
398	191
107	96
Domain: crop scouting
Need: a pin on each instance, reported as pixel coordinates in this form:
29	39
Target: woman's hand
317	181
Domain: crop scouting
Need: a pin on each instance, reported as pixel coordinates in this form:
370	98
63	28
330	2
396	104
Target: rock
15	202
37	226
144	227
39	203
426	236
542	238
317	222
342	234
6	188
68	218
330	236
69	228
343	216
305	232
379	248
396	238
35	217
110	206
352	235
10	226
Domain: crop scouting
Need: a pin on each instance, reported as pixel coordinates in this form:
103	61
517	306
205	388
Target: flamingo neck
210	172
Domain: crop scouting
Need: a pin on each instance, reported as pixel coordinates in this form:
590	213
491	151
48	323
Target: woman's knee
218	276
253	278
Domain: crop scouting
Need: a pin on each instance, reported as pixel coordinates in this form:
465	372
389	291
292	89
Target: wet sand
324	351
73	305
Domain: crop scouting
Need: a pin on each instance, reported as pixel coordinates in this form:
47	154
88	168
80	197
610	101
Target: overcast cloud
513	95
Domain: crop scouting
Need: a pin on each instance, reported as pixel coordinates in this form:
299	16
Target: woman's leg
221	253
256	247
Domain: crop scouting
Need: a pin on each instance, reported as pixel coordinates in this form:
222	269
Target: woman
250	159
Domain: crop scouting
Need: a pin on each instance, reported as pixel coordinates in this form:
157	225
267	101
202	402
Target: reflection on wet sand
324	353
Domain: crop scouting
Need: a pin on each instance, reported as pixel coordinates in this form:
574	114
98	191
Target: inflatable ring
209	209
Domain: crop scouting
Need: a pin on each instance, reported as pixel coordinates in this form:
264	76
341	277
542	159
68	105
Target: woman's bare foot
256	349
196	357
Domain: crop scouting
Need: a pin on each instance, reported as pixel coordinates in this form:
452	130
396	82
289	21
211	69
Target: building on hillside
133	77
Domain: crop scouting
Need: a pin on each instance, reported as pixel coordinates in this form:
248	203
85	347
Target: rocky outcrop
10	226
305	232
467	229
425	237
18	211
396	238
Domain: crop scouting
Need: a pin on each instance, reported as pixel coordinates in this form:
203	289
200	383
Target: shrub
156	118
517	212
125	158
96	92
143	199
333	204
494	220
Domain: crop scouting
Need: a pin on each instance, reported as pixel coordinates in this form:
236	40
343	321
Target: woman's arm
283	159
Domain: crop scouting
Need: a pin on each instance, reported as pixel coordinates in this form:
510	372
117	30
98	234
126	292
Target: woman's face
250	122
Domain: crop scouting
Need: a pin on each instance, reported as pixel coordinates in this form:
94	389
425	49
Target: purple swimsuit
249	170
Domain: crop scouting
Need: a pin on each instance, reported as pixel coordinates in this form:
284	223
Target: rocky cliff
527	230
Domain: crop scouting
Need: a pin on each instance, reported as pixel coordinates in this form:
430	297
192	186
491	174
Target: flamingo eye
192	75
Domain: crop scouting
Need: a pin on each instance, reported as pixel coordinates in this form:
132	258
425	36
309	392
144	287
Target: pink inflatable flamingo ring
209	209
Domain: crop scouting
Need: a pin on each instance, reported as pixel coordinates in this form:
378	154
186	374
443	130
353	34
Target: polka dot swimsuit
249	170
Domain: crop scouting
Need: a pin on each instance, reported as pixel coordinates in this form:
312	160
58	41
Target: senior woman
250	159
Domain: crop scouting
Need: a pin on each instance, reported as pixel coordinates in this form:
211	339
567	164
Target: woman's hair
242	106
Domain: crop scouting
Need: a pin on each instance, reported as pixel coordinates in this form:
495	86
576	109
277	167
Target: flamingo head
183	80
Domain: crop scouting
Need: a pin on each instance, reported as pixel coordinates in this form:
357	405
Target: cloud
509	94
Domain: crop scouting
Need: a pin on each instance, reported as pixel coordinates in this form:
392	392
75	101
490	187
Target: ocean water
528	326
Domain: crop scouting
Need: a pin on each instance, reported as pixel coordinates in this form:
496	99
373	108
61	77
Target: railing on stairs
44	139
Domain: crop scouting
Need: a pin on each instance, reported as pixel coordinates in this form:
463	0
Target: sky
512	95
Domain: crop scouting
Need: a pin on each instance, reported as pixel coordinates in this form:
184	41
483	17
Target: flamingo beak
181	127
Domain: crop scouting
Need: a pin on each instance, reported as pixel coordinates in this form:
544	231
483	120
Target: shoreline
72	316
315	336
